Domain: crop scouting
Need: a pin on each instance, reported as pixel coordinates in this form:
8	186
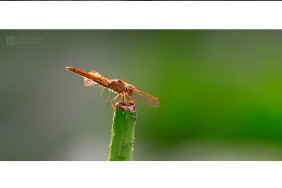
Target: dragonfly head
129	90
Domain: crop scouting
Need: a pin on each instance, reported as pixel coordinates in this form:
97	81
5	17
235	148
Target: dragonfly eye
129	90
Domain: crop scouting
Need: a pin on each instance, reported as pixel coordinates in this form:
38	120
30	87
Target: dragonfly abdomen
99	80
102	81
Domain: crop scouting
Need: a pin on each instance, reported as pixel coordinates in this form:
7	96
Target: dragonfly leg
113	101
123	96
130	99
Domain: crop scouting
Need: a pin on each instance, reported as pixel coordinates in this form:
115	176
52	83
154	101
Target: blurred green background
220	93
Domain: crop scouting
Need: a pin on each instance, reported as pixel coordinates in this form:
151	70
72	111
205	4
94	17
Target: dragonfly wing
89	82
95	73
145	99
108	96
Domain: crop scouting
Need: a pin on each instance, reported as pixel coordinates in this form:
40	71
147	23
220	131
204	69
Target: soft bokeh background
220	94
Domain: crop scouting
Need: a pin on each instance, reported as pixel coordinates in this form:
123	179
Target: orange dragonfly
116	88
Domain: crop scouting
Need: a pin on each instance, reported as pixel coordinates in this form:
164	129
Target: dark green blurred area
220	94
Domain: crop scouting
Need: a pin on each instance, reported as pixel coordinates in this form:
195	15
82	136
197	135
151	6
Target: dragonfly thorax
117	85
120	86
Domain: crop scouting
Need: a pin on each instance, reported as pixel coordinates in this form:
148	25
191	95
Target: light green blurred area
220	94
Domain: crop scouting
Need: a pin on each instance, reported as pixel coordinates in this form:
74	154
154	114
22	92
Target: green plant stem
123	128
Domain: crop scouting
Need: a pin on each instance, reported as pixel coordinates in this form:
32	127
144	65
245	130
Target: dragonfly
116	89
